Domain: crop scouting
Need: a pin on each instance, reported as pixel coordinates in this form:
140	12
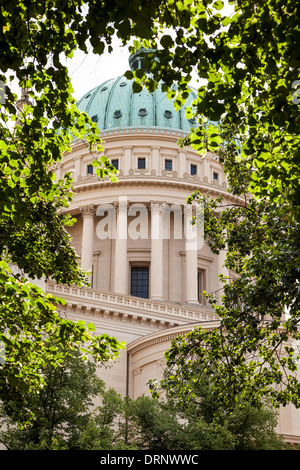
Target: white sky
88	70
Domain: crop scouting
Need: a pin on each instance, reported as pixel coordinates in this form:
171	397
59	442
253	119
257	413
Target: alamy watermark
178	221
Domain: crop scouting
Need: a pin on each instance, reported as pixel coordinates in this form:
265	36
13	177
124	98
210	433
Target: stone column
182	166
127	159
121	271
191	257
155	159
156	252
88	214
206	167
77	168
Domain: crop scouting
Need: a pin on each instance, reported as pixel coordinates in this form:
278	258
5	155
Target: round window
142	112
117	113
168	113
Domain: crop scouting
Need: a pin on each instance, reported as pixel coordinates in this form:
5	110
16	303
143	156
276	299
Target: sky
88	70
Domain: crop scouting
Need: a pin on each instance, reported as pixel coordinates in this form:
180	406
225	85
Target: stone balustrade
126	307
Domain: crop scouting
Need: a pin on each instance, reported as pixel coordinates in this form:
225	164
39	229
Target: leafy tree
110	427
175	423
160	427
246	55
64	413
61	410
254	351
203	422
65	418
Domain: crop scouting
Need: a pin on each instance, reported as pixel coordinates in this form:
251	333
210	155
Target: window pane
90	169
168	165
201	286
140	281
141	163
193	169
115	163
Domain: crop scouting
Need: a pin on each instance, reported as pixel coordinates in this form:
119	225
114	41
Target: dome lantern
136	61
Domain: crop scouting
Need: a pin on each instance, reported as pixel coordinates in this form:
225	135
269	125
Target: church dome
113	105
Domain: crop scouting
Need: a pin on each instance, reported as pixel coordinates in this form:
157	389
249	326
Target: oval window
168	114
117	113
142	112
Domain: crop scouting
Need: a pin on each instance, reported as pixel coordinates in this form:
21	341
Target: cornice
206	188
128	132
125	308
168	335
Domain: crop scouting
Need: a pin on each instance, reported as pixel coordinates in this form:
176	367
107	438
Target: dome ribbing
114	105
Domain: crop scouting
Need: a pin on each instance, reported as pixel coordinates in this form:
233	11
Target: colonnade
120	282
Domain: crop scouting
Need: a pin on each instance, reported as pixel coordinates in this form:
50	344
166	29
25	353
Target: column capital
88	210
121	206
156	206
190	210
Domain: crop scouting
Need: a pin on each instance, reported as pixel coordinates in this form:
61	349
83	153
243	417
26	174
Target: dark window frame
141	163
115	163
193	169
139	281
168	165
201	281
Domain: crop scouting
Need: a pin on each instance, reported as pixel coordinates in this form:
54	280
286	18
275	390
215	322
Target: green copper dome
114	105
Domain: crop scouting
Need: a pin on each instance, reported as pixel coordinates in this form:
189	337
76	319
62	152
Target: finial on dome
136	61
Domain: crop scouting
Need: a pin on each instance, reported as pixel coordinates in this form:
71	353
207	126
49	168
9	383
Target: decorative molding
55	166
88	210
121	205
208	188
160	314
156	207
167	336
207	259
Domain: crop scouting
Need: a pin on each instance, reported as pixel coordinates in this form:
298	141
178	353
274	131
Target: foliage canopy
249	60
64	418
